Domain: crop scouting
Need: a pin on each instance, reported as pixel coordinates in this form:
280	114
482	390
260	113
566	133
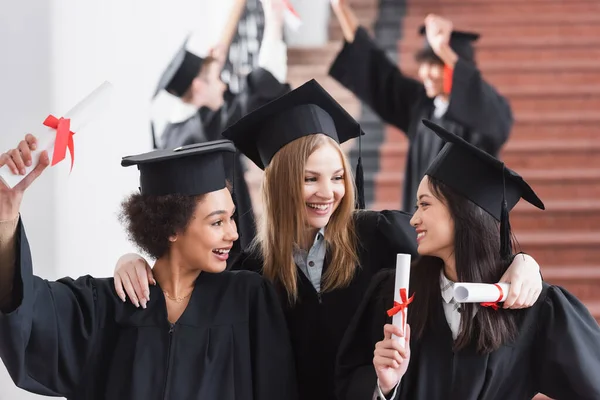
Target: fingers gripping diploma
391	358
525	282
133	276
17	160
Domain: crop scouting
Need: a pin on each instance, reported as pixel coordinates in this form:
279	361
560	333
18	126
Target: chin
319	223
215	268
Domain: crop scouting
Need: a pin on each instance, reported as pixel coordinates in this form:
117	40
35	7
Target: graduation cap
461	42
187	170
180	72
481	178
304	111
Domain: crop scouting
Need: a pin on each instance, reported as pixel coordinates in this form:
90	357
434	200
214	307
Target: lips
222	254
320	209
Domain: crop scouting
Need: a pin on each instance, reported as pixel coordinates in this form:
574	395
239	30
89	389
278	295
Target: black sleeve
396	235
365	69
355	374
567	348
274	374
262	88
477	105
46	340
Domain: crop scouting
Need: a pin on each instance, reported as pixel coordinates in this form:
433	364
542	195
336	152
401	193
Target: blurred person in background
451	91
208	107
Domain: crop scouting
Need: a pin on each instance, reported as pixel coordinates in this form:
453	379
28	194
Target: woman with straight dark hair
468	351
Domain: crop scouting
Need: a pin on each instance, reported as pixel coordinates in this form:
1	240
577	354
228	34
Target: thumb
407	334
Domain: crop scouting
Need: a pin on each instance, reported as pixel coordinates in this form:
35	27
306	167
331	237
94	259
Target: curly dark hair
151	220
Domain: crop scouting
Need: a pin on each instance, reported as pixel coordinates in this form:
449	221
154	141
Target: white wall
54	54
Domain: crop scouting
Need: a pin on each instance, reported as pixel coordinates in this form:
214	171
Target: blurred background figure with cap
75	338
467	350
452	91
208	107
313	243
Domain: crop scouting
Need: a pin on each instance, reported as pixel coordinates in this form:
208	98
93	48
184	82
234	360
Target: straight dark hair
477	259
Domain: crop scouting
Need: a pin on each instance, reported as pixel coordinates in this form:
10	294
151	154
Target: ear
173	238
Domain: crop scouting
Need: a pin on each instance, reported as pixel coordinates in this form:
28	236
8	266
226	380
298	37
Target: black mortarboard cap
180	72
461	42
481	178
190	170
304	111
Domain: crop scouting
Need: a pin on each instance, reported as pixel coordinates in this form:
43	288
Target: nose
231	233
415	220
325	190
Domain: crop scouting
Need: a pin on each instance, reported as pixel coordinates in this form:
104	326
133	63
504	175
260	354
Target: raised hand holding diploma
57	136
401	301
20	158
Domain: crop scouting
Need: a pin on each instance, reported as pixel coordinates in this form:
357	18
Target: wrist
386	390
9	214
447	55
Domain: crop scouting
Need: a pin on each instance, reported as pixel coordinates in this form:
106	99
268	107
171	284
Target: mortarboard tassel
359	179
505	231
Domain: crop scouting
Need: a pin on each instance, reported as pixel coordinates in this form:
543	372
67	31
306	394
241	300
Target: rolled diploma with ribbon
480	292
291	17
80	115
401	286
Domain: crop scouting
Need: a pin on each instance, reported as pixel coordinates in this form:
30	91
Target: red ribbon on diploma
401	307
289	6
64	138
494	304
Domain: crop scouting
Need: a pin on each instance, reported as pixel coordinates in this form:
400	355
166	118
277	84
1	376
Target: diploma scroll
401	300
291	17
80	115
480	292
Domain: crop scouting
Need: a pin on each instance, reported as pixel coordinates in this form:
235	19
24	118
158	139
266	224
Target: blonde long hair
283	222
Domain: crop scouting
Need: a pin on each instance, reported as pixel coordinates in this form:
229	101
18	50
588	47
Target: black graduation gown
477	112
317	321
206	125
556	352
75	338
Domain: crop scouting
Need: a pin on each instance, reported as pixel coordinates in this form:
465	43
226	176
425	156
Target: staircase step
499	73
519	30
518	155
319	57
539	126
581	281
542	54
563	184
411	42
561	248
542	18
582	215
484	8
544	130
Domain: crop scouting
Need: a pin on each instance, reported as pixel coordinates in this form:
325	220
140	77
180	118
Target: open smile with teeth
221	251
319	206
420	235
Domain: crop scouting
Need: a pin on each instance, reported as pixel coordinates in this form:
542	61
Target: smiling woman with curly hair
201	331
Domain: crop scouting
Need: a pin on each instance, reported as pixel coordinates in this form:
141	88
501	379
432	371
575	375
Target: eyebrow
423	195
218	212
316	173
